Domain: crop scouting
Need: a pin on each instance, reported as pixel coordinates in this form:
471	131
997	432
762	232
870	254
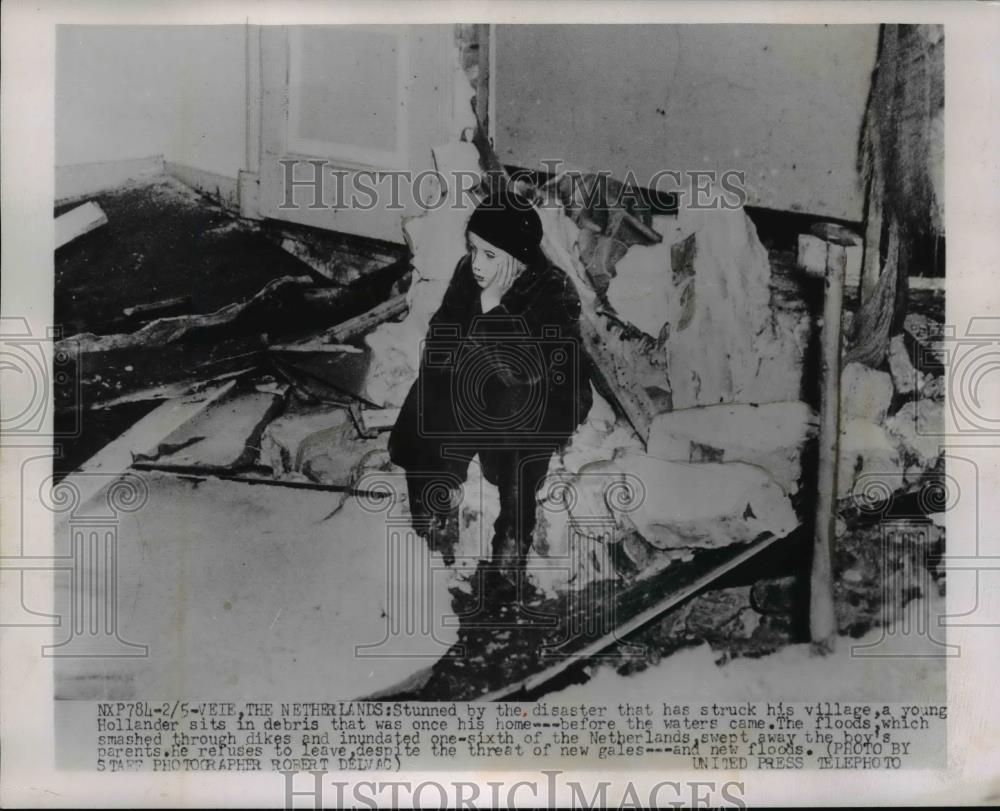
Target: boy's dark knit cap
509	221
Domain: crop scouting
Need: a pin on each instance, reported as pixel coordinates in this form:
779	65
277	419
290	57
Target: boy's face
488	260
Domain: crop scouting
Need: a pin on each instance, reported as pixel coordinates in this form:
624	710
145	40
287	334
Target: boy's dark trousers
518	475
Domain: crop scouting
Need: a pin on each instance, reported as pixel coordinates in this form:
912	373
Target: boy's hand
505	278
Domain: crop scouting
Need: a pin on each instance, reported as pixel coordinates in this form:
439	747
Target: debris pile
892	420
708	449
703	294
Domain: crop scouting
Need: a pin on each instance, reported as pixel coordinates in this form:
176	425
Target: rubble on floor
869	466
903	668
721	634
334	375
689	339
865	393
162	240
342	259
659	506
284	442
700	505
891	422
917	429
723	612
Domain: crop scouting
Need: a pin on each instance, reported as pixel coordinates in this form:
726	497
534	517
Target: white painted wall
134	91
783	103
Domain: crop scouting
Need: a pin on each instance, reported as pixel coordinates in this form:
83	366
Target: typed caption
182	736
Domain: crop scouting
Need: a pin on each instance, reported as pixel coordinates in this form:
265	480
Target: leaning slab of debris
79	221
223	437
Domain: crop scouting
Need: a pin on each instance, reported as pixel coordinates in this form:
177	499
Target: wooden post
822	616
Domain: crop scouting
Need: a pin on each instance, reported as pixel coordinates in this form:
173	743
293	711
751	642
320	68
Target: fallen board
250	478
79	221
116	457
329	376
223	436
519	652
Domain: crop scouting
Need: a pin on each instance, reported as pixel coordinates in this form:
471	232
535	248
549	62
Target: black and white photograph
500	396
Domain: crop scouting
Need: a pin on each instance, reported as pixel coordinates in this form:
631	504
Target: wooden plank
360	324
79	221
156	306
225	436
168	391
314	345
116	457
822	615
330	376
379	419
198	474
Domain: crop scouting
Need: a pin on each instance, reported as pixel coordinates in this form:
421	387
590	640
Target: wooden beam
168	391
354	327
116	457
79	221
198	475
822	615
139	310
